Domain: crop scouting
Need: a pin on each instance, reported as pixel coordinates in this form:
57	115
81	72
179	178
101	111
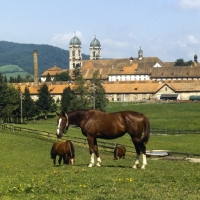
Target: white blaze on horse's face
58	129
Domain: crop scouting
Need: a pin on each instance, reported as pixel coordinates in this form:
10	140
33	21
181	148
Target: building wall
128	77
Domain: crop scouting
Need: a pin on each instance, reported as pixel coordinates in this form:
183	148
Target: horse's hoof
98	165
134	167
143	167
91	165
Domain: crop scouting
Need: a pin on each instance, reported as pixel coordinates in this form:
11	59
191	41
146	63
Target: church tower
95	49
140	54
195	58
75	54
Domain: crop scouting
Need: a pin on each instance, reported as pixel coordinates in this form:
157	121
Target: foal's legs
54	160
59	160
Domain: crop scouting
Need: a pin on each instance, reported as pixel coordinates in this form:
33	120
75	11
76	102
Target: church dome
75	41
95	43
140	51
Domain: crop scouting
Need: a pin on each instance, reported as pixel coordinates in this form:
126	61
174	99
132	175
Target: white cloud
189	4
62	39
192	39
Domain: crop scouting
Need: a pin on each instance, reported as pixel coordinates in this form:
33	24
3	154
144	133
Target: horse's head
62	124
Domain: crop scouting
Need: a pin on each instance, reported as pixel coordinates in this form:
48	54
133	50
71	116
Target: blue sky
168	29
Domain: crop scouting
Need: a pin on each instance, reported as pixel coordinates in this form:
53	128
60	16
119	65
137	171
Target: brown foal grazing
65	150
119	152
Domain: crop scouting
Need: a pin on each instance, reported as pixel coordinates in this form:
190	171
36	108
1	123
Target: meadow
27	172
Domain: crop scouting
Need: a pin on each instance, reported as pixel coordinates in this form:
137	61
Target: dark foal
65	150
119	152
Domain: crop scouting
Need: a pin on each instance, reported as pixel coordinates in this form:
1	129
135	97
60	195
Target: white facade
132	77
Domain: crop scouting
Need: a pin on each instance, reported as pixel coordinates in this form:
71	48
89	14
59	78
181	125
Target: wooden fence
104	144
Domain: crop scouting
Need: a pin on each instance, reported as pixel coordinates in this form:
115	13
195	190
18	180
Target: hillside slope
13	71
22	55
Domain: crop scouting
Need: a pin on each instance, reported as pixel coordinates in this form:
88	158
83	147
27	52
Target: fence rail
104	144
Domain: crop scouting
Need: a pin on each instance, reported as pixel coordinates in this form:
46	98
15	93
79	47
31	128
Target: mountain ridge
21	54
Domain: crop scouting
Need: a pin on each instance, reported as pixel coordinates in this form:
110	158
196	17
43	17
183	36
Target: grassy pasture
27	171
13	70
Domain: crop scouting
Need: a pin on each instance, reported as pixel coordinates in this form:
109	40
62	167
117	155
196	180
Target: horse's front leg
91	150
97	153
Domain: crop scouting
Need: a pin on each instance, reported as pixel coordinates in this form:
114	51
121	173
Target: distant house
53	71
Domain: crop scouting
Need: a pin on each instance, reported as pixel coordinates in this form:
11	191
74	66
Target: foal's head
62	124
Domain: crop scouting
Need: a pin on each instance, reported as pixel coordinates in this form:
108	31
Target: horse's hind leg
140	147
144	157
93	148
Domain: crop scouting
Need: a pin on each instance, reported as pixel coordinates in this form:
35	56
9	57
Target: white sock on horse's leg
136	162
144	157
98	161
91	160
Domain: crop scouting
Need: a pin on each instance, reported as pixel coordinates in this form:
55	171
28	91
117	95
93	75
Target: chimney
35	66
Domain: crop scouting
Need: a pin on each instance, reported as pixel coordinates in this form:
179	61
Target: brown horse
119	152
65	150
96	124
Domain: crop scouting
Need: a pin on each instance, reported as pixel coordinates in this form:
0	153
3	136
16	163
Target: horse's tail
146	135
72	150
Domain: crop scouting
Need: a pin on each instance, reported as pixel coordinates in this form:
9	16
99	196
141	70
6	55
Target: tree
10	102
19	79
48	78
77	71
45	102
82	97
64	76
1	78
28	105
179	62
99	95
189	63
66	98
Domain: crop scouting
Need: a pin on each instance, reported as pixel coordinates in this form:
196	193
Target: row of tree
181	62
84	95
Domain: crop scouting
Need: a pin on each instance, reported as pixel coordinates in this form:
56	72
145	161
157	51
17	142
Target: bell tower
75	54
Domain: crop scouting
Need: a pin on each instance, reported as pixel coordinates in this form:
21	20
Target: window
127	97
73	53
119	97
135	97
165	88
143	96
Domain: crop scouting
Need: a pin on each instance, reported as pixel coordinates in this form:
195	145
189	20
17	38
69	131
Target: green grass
183	116
13	70
27	171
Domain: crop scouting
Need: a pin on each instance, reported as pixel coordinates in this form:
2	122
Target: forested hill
22	55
